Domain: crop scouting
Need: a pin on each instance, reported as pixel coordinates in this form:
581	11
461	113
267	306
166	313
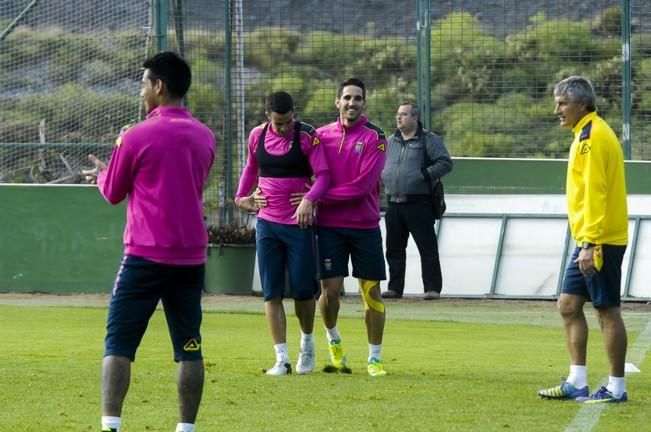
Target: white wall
531	257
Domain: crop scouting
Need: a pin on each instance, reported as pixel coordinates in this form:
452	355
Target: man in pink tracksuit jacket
161	166
284	154
349	221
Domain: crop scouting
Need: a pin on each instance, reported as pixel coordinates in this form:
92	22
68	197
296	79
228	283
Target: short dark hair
279	102
170	68
415	111
577	89
354	82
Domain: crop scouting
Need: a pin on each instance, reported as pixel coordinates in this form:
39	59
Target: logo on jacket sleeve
123	130
585	148
382	146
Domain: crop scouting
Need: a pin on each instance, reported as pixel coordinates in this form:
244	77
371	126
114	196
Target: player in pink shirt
349	221
160	166
284	154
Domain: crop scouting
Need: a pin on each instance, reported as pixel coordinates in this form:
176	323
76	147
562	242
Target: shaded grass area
451	368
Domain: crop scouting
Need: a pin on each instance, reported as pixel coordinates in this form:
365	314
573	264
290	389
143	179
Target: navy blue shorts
602	288
363	246
286	250
139	285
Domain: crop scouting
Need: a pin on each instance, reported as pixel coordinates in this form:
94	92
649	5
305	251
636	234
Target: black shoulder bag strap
436	192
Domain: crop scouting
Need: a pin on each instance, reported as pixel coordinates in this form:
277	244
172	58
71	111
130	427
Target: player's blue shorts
286	250
602	288
363	246
139	285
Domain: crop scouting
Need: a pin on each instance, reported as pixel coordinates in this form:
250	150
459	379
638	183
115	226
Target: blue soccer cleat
565	391
603	395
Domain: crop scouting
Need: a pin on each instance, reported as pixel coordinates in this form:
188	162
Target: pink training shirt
277	191
356	156
161	165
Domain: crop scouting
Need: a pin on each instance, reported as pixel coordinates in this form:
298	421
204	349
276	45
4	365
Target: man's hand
303	214
246	203
260	200
585	260
91	174
253	202
296	197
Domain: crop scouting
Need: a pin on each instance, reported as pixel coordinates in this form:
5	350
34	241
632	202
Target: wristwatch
586	245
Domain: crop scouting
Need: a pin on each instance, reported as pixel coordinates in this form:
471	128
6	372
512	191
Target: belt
401	199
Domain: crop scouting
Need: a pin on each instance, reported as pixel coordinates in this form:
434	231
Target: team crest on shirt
358	147
585	148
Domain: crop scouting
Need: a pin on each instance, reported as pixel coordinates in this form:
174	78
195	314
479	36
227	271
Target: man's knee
331	288
570	306
371	295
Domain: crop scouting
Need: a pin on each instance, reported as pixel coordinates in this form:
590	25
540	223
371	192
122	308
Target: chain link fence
70	72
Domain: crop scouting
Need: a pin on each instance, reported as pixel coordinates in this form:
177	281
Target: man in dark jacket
408	176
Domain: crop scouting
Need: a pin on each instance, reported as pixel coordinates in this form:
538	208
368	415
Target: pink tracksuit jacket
161	165
356	156
277	191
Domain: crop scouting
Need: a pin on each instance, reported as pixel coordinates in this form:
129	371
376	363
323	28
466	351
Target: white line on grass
589	414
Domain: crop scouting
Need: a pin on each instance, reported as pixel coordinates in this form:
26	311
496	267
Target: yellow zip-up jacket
596	186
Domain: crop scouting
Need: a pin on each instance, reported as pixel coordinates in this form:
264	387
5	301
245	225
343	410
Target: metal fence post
161	8
626	77
227	210
423	58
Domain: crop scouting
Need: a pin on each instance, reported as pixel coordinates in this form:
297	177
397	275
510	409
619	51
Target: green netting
70	72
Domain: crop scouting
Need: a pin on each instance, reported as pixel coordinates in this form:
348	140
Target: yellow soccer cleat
337	357
375	367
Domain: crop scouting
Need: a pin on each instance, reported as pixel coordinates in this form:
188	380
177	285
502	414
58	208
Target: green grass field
453	365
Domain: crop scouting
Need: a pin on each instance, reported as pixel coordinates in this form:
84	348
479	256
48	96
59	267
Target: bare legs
277	320
329	306
190	388
116	374
576	330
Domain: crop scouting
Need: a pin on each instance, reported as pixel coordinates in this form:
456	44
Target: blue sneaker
603	395
564	391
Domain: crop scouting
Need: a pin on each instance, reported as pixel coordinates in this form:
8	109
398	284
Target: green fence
66	238
483	72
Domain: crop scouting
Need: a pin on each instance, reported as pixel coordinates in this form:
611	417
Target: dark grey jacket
405	165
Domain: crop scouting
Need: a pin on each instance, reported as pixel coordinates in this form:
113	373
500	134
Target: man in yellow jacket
598	218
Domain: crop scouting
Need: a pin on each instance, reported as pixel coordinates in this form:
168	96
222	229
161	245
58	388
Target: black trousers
415	218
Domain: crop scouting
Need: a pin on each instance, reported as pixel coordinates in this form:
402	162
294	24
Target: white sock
185	427
578	376
281	352
112	422
307	341
333	334
374	351
616	385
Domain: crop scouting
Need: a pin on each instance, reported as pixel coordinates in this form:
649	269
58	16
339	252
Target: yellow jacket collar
579	126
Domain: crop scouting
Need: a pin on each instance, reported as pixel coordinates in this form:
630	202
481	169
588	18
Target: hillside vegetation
491	96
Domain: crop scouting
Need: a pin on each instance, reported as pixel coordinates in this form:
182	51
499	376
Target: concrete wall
58	239
67	239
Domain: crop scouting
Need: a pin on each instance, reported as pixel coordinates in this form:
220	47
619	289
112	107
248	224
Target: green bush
266	45
74	114
610	21
490	95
